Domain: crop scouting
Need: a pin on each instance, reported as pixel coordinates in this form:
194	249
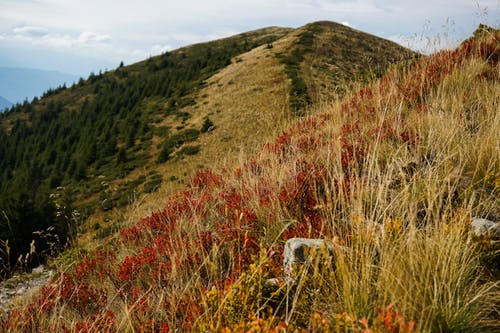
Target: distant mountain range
18	84
4	104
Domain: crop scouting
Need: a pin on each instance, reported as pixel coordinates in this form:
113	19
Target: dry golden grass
408	218
403	229
248	104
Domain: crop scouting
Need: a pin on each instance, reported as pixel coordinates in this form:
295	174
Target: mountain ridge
107	142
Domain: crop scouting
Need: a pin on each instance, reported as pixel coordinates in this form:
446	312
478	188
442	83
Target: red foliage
130	234
281	145
266	196
103	322
205	179
82	296
129	268
393	322
300	195
94	263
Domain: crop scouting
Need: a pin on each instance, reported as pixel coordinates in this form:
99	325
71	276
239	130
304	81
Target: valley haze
4	104
20	84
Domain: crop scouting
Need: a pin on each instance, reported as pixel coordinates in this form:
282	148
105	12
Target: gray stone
298	251
38	270
13	288
21	291
274	282
484	227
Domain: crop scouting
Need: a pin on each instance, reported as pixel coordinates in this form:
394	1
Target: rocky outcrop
18	287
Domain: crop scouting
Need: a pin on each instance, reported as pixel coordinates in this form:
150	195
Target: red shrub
205	179
129	268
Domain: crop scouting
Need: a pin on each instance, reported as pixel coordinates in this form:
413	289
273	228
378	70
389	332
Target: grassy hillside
74	143
251	100
391	174
74	162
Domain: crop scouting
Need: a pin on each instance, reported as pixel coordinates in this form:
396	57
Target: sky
78	37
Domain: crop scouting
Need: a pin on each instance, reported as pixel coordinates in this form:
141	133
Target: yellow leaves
496	181
213	299
393	226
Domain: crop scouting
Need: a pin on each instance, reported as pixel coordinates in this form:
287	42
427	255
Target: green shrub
106	231
153	184
189	150
207	125
299	96
184	136
164	154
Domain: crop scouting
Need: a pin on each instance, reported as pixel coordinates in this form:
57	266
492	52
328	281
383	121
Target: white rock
274	282
38	270
297	251
483	227
21	291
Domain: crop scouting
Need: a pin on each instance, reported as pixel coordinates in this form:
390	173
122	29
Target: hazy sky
80	36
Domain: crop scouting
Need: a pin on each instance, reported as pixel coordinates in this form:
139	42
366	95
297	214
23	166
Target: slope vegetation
252	99
75	143
73	161
391	175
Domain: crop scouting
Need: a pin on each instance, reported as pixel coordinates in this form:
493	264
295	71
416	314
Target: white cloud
42	36
159	49
89	37
30	31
